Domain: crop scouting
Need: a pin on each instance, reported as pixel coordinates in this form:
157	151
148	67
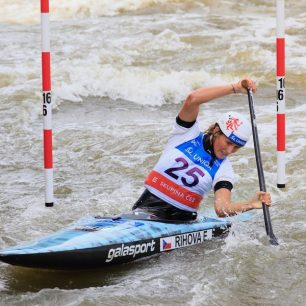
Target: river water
120	71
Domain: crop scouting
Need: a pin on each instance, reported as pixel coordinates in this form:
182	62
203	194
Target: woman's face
223	147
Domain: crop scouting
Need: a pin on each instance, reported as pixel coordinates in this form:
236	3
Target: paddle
262	185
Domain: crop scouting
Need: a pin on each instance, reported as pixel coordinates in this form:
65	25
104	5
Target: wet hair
213	135
211	128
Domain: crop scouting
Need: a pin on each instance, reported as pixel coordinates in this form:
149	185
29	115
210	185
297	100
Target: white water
120	71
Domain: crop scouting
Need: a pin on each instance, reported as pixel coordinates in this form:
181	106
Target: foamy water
120	71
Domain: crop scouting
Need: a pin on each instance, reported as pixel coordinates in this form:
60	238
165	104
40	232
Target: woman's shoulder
181	134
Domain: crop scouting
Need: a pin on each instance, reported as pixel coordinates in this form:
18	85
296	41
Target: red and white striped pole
280	86
47	109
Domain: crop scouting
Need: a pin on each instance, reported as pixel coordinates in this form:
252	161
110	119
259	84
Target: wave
147	59
28	12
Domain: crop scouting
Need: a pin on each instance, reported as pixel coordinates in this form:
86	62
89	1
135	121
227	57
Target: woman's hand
261	197
247	84
224	207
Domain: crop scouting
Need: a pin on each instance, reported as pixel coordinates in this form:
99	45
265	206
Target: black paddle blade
273	239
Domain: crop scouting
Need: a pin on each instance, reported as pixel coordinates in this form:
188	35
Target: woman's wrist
255	204
233	89
249	206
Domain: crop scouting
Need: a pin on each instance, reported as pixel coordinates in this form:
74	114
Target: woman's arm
191	106
224	207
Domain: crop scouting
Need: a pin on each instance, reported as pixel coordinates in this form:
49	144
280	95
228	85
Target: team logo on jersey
184	240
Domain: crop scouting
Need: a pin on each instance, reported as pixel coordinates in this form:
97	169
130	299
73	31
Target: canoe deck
98	241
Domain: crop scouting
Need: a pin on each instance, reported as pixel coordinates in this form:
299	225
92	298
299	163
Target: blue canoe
98	241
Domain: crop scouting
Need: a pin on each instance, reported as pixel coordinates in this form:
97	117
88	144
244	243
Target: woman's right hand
248	83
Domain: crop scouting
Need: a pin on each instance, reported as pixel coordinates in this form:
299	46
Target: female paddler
194	162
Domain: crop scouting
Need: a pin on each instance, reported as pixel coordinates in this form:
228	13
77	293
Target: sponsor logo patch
235	139
184	240
130	250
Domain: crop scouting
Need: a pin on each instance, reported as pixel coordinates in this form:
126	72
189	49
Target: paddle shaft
261	178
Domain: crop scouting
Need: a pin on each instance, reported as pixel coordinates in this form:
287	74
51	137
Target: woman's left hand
261	197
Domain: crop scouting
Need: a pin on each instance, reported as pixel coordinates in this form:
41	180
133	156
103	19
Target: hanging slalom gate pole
47	109
280	86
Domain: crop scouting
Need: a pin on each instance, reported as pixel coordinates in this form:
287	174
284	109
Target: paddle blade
273	239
